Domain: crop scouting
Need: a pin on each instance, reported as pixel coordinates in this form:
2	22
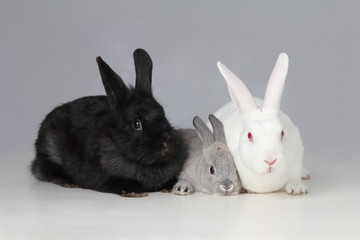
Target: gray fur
218	129
204	132
205	152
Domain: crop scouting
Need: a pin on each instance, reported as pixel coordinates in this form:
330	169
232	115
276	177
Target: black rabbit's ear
115	87
143	68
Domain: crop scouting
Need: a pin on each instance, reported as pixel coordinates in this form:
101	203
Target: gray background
48	50
47	57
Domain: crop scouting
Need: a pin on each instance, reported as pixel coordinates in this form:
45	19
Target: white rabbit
266	145
210	167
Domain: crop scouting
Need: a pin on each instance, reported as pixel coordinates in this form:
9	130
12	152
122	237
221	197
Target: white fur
265	124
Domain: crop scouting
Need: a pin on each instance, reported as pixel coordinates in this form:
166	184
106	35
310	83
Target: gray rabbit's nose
227	186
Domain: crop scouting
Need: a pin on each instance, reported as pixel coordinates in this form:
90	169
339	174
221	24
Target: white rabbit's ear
276	83
239	93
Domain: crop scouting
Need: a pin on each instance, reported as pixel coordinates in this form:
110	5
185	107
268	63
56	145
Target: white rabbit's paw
182	188
305	175
296	188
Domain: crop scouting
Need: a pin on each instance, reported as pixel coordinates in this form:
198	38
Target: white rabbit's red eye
250	137
212	170
137	125
282	134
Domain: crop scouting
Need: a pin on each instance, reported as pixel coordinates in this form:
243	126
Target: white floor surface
35	210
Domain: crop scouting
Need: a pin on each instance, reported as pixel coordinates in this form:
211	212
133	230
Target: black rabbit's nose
164	140
165	137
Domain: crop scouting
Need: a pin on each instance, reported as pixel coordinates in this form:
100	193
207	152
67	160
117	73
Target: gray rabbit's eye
212	170
137	125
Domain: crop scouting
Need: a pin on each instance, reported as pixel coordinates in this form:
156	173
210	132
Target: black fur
91	142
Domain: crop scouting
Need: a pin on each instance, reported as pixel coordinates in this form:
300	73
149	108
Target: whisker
140	165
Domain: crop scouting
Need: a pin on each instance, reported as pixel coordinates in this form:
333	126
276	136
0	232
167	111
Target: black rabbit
117	143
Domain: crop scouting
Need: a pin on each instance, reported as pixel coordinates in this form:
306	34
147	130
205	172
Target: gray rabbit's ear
218	129
143	68
115	88
206	136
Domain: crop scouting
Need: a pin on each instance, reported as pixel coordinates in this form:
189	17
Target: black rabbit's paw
133	194
165	190
63	183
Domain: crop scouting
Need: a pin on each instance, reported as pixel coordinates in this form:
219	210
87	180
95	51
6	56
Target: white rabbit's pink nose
270	162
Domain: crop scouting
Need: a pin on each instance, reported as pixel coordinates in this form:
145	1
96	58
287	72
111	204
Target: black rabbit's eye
137	125
212	170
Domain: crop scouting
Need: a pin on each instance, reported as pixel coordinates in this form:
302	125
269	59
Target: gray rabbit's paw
182	188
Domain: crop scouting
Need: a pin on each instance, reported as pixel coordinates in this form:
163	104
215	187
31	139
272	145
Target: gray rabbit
210	167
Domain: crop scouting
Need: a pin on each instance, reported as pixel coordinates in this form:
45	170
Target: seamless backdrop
48	51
